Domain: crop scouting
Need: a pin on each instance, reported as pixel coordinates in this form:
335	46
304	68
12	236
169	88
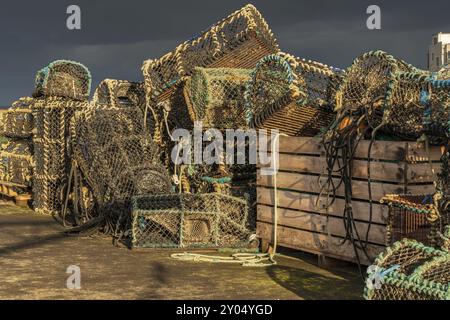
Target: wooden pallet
304	222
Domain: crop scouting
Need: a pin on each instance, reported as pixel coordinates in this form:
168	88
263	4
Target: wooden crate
396	168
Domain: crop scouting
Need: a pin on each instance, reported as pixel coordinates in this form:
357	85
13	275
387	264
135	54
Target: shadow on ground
35	254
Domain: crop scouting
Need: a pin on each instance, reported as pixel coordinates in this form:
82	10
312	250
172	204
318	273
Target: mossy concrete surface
35	254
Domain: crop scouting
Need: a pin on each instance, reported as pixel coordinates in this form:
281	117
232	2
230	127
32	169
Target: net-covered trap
382	93
113	160
61	89
215	96
190	220
17	122
417	217
50	140
16	164
409	270
291	95
238	41
63	78
119	94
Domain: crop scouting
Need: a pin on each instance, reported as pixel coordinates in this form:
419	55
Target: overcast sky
117	36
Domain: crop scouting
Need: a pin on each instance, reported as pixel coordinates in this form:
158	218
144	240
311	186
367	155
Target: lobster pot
119	94
437	109
215	96
189	220
115	156
409	270
291	95
238	41
414	217
50	140
17	122
63	78
405	115
16	164
370	80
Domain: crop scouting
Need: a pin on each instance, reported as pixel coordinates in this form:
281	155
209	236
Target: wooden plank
310	183
421	172
316	243
320	223
299	145
381	150
418	152
308	202
382	171
421	189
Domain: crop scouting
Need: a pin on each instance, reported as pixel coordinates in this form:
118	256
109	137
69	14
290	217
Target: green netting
63	78
408	270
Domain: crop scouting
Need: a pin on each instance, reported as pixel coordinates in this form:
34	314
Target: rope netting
291	95
409	270
238	41
418	217
215	96
63	78
50	146
190	220
113	160
379	93
16	163
17	121
119	94
62	88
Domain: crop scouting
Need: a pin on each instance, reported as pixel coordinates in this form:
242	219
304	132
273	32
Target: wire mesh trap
116	160
63	78
16	164
190	220
409	270
415	217
215	96
119	94
238	41
50	142
17	121
291	95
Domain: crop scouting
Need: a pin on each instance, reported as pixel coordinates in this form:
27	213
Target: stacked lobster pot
61	88
420	108
16	164
119	94
203	80
291	95
238	41
113	160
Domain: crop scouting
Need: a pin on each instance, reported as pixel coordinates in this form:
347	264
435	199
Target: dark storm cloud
117	36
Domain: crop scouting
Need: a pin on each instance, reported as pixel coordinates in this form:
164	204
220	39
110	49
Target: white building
439	51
